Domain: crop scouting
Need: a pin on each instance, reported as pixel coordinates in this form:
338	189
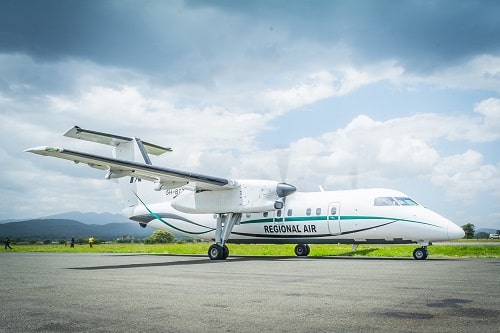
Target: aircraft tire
216	252
302	250
420	253
225	252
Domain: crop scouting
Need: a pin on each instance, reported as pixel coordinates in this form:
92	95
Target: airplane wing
165	178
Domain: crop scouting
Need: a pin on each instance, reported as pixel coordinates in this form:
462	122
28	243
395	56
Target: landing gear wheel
420	253
302	250
217	252
225	252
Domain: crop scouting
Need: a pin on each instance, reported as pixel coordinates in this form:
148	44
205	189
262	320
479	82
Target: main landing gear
225	223
420	253
302	250
218	252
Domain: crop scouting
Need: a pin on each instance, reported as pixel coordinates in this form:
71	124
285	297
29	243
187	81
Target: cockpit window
397	201
385	201
406	201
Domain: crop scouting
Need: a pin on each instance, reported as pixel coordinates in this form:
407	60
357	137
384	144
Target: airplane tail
128	149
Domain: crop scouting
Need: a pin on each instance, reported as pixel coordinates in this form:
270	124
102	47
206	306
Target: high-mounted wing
165	178
206	194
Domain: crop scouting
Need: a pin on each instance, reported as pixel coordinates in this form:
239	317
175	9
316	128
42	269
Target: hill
87	218
55	229
91	218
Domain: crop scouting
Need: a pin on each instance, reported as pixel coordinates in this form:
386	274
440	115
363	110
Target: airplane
227	210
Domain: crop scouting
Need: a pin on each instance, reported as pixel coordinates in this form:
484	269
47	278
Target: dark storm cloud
181	40
423	35
51	29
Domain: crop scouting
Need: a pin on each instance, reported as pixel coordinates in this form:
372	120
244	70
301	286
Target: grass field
473	250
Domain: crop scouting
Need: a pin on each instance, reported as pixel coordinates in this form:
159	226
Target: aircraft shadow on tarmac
203	260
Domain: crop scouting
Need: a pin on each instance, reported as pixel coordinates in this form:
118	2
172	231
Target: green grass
441	251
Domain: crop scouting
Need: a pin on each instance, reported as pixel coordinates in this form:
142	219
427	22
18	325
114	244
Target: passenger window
265	214
278	213
289	212
333	211
308	211
318	211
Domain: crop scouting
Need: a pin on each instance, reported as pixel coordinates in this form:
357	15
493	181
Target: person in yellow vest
91	241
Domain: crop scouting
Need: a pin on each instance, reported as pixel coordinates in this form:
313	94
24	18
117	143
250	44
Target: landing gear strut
420	253
225	224
302	250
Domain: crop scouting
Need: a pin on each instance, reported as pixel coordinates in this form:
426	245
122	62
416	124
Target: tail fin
125	148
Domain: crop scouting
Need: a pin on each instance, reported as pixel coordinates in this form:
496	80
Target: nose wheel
420	253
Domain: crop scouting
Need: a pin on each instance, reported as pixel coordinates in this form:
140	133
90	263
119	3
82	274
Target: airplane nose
454	231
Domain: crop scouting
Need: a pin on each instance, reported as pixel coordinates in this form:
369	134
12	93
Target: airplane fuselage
371	216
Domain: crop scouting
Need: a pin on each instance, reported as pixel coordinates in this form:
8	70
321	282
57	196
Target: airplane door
333	217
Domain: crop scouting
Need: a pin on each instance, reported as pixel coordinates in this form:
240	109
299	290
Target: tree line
157	237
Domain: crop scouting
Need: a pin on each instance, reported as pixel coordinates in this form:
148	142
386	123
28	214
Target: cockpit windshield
385	201
397	201
406	201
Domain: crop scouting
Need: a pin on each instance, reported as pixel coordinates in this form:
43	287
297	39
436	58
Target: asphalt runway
42	292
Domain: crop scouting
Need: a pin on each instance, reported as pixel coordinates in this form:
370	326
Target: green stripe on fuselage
333	218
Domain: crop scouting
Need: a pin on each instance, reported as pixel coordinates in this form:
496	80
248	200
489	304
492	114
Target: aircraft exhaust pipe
284	189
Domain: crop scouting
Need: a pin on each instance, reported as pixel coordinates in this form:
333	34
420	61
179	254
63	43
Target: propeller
283	161
283	189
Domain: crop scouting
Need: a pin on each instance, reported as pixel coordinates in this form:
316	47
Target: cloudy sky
343	94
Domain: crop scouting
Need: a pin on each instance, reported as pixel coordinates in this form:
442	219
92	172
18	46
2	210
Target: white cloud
481	72
330	81
464	176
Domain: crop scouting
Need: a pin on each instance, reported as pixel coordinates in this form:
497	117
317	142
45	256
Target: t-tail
126	149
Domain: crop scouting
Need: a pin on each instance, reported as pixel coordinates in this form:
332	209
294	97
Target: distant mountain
55	229
90	218
87	218
485	230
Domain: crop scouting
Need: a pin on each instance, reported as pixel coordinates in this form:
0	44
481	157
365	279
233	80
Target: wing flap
165	177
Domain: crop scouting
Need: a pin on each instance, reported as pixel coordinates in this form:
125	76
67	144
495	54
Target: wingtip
42	149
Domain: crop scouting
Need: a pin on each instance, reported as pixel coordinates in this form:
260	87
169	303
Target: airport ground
82	292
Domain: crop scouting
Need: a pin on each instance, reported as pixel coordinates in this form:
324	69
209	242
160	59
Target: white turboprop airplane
257	211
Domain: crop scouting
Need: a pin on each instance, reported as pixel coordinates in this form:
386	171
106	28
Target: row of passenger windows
289	212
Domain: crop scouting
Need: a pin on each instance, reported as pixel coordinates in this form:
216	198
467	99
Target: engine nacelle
251	196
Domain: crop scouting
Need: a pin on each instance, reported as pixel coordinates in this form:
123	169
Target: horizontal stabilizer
111	139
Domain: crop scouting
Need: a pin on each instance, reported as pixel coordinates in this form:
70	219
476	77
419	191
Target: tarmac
53	292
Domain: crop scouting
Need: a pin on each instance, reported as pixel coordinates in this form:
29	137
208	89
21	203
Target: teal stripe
157	217
334	218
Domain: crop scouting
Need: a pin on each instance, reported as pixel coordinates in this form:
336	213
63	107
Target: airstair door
333	217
